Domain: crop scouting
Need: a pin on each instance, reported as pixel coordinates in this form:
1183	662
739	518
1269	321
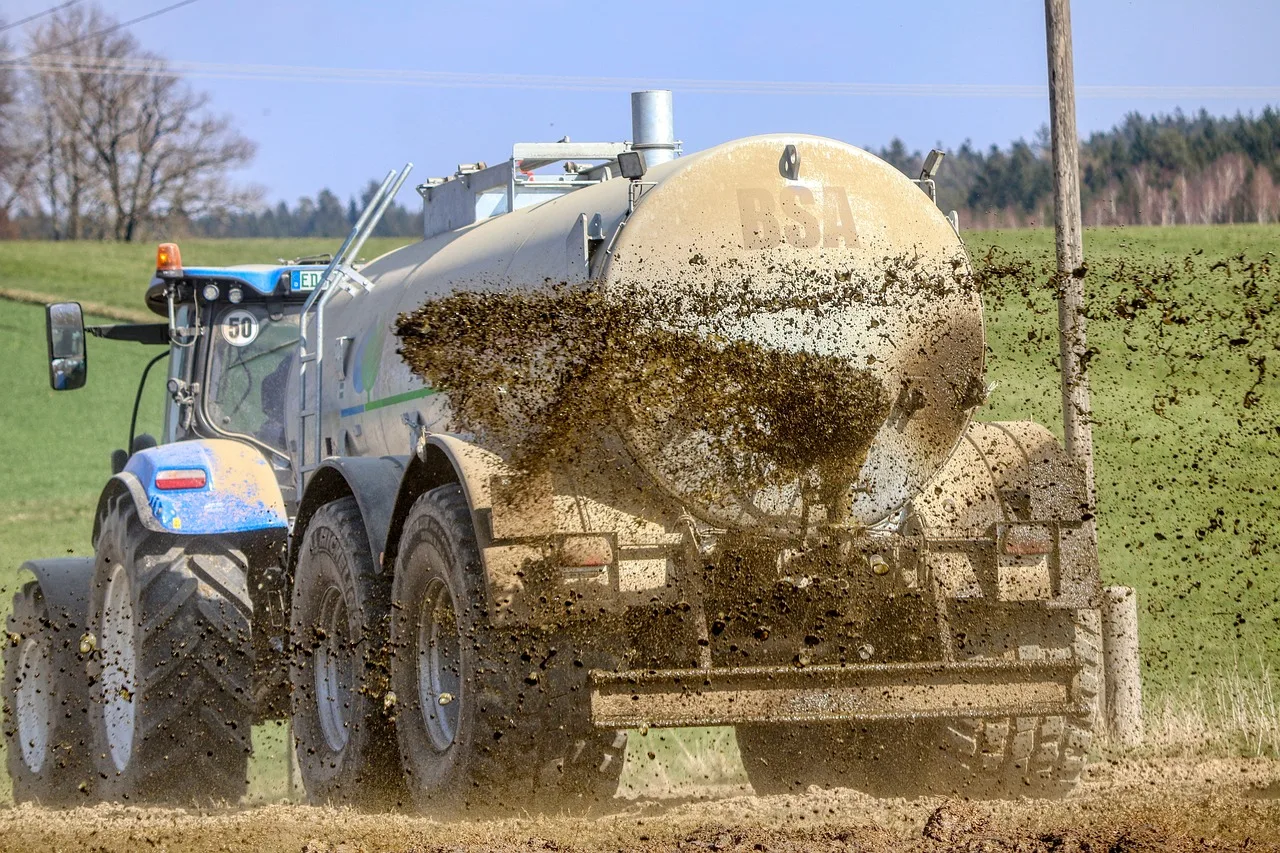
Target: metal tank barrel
785	244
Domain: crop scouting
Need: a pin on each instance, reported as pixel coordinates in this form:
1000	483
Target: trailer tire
45	706
172	704
1040	756
483	721
341	726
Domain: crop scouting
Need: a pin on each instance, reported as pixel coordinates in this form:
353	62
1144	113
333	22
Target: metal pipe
339	258
377	214
653	126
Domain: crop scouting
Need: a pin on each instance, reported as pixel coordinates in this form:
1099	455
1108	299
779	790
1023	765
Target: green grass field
1187	475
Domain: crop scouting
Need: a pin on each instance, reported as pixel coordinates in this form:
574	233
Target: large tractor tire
341	725
172	703
1038	756
486	719
46	710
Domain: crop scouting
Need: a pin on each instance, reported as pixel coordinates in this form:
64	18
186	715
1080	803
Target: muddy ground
1129	805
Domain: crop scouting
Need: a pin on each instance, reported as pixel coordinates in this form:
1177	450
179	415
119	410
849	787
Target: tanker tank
778	344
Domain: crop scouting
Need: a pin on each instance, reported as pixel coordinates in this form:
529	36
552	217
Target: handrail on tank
338	269
352	235
382	208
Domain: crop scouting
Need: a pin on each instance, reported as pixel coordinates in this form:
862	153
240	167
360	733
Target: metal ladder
340	273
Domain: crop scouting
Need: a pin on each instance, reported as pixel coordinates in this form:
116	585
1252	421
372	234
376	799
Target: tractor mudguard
372	481
238	492
65	583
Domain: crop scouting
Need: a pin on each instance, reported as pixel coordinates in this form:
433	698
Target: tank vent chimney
653	128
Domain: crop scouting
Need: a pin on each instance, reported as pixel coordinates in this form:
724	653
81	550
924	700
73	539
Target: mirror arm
137	399
142	333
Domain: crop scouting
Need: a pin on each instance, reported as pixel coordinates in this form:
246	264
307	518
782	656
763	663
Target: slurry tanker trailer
465	542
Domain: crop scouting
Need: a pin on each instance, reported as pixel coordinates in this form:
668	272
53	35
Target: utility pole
1076	411
1122	696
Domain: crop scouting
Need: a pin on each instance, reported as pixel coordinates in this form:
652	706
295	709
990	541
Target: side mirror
68	359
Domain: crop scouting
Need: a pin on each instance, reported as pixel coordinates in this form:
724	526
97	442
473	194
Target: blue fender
240	493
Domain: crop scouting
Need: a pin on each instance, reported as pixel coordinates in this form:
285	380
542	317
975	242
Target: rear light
1026	540
168	260
181	478
586	552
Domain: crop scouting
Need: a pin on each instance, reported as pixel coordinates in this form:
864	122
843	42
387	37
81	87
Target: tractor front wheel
45	694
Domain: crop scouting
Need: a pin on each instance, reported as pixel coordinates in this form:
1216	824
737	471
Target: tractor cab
231	335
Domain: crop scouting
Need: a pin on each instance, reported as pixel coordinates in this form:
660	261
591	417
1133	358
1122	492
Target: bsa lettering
791	217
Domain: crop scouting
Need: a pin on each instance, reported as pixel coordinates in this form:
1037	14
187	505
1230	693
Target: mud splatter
536	372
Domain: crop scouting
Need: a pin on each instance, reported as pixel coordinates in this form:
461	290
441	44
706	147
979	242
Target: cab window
251	355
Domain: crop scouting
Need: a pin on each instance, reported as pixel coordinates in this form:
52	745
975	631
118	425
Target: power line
453	80
113	28
29	18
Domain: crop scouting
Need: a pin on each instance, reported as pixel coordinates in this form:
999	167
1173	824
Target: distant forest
1161	170
1164	170
323	216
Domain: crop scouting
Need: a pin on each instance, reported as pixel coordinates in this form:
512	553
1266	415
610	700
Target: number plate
301	280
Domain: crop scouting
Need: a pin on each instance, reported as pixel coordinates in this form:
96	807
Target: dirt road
1127	806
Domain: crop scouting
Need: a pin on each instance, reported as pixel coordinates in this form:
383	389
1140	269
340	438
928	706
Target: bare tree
17	149
124	150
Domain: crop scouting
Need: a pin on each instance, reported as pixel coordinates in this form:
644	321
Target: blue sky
340	134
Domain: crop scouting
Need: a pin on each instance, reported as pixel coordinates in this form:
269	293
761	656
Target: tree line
322	216
138	154
1157	170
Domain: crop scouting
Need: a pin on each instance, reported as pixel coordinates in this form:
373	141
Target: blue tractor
133	674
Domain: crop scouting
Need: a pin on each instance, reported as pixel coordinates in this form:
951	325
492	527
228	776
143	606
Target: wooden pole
1076	425
1122	691
1120	661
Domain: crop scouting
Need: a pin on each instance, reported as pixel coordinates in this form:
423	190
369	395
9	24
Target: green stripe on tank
398	398
386	401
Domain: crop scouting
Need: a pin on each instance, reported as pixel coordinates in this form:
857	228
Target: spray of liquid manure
537	371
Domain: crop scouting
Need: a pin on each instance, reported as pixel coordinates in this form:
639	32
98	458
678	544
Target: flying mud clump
537	372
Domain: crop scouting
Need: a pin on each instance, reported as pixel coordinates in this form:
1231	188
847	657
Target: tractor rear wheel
45	696
487	718
172	703
342	733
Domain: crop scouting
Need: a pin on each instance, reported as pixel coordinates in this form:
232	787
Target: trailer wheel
45	697
1033	756
341	727
172	704
486	718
